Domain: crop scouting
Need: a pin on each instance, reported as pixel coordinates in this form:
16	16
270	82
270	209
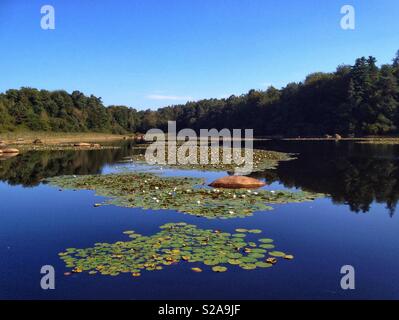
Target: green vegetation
150	191
176	243
42	110
361	99
262	159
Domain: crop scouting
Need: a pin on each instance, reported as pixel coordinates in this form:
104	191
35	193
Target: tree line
359	99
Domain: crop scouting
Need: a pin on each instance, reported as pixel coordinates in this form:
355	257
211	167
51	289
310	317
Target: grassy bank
59	137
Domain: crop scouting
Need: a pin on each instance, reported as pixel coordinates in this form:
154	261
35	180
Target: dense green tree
361	99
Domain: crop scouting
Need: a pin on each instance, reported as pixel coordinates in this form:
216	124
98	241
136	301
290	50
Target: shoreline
54	138
18	138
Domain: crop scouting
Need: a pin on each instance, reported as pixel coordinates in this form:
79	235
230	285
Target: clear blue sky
150	53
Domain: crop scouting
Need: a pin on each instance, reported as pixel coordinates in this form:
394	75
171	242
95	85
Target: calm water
355	224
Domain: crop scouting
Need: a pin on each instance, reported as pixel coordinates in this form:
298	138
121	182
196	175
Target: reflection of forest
29	168
352	174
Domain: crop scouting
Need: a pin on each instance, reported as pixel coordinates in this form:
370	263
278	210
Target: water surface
354	224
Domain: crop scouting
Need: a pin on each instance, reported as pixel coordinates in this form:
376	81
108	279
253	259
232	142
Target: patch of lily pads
261	160
182	194
175	243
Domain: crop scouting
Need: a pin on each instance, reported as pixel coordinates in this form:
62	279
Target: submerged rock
237	182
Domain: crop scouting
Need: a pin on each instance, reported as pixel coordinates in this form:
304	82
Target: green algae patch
186	195
175	243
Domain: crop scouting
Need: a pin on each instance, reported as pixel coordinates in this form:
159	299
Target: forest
354	100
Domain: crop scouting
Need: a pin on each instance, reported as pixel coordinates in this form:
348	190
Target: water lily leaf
289	257
187	195
277	254
248	266
175	243
219	269
261	264
266	246
239	235
265	240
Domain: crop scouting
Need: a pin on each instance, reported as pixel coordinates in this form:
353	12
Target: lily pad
266	246
261	264
255	231
175	243
266	240
288	257
277	254
151	191
219	269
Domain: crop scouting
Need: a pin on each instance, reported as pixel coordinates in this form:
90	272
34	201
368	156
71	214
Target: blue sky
151	53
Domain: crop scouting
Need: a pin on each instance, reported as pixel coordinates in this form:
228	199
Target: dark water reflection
350	173
28	169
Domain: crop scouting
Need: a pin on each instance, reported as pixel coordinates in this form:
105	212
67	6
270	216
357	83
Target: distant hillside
43	110
361	99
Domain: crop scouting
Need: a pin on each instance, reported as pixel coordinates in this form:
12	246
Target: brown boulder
237	182
82	144
10	150
337	137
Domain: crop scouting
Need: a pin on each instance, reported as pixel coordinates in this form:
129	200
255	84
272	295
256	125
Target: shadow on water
350	173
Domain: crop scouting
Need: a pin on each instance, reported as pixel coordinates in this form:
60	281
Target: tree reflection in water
350	173
28	169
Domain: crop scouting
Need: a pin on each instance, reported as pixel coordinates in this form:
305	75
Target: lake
355	224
